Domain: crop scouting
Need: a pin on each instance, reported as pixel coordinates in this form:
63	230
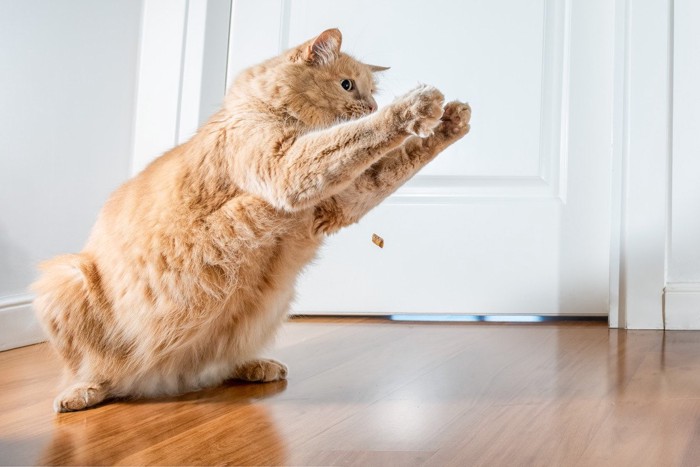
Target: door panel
515	217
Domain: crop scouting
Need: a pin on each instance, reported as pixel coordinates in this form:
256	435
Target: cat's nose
372	104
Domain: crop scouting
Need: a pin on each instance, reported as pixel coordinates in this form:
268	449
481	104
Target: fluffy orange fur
191	265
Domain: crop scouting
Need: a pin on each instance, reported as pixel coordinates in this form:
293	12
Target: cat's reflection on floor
212	426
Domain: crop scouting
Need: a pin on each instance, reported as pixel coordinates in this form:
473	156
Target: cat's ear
375	68
324	49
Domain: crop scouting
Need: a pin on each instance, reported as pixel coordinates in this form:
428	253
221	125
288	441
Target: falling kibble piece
377	240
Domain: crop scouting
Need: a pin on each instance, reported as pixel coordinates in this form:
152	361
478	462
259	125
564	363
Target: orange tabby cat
191	265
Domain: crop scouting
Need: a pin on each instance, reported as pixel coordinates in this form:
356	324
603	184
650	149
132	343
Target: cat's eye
347	84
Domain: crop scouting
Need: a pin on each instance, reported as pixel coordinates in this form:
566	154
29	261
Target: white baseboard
18	325
682	306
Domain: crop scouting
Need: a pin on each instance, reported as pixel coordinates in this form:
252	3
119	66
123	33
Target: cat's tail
68	298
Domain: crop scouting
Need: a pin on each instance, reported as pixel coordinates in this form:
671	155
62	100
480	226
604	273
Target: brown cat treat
377	240
190	267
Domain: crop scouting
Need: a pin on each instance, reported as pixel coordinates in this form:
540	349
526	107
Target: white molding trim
554	120
641	160
682	306
616	316
18	322
446	189
9	301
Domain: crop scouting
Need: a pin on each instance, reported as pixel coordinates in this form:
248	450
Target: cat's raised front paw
455	119
420	110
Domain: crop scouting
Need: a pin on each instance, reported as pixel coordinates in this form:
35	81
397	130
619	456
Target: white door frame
174	74
168	85
682	292
641	160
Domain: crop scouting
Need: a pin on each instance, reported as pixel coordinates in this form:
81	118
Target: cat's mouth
357	111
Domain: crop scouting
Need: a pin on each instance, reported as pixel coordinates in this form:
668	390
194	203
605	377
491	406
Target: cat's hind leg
71	308
261	370
79	396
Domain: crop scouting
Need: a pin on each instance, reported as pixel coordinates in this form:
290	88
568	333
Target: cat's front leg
323	163
392	171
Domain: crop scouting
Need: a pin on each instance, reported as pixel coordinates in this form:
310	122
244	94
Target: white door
513	219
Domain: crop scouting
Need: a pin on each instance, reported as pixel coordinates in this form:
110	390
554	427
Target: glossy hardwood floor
371	392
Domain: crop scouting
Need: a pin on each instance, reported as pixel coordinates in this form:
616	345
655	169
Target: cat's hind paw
262	370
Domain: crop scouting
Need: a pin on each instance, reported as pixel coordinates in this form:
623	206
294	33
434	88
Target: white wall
67	91
682	298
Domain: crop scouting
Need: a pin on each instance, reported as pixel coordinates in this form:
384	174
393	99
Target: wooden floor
369	392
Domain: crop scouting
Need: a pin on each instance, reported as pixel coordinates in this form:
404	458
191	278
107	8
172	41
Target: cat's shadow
215	425
230	391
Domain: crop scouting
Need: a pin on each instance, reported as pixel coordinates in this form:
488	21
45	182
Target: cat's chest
297	246
266	245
